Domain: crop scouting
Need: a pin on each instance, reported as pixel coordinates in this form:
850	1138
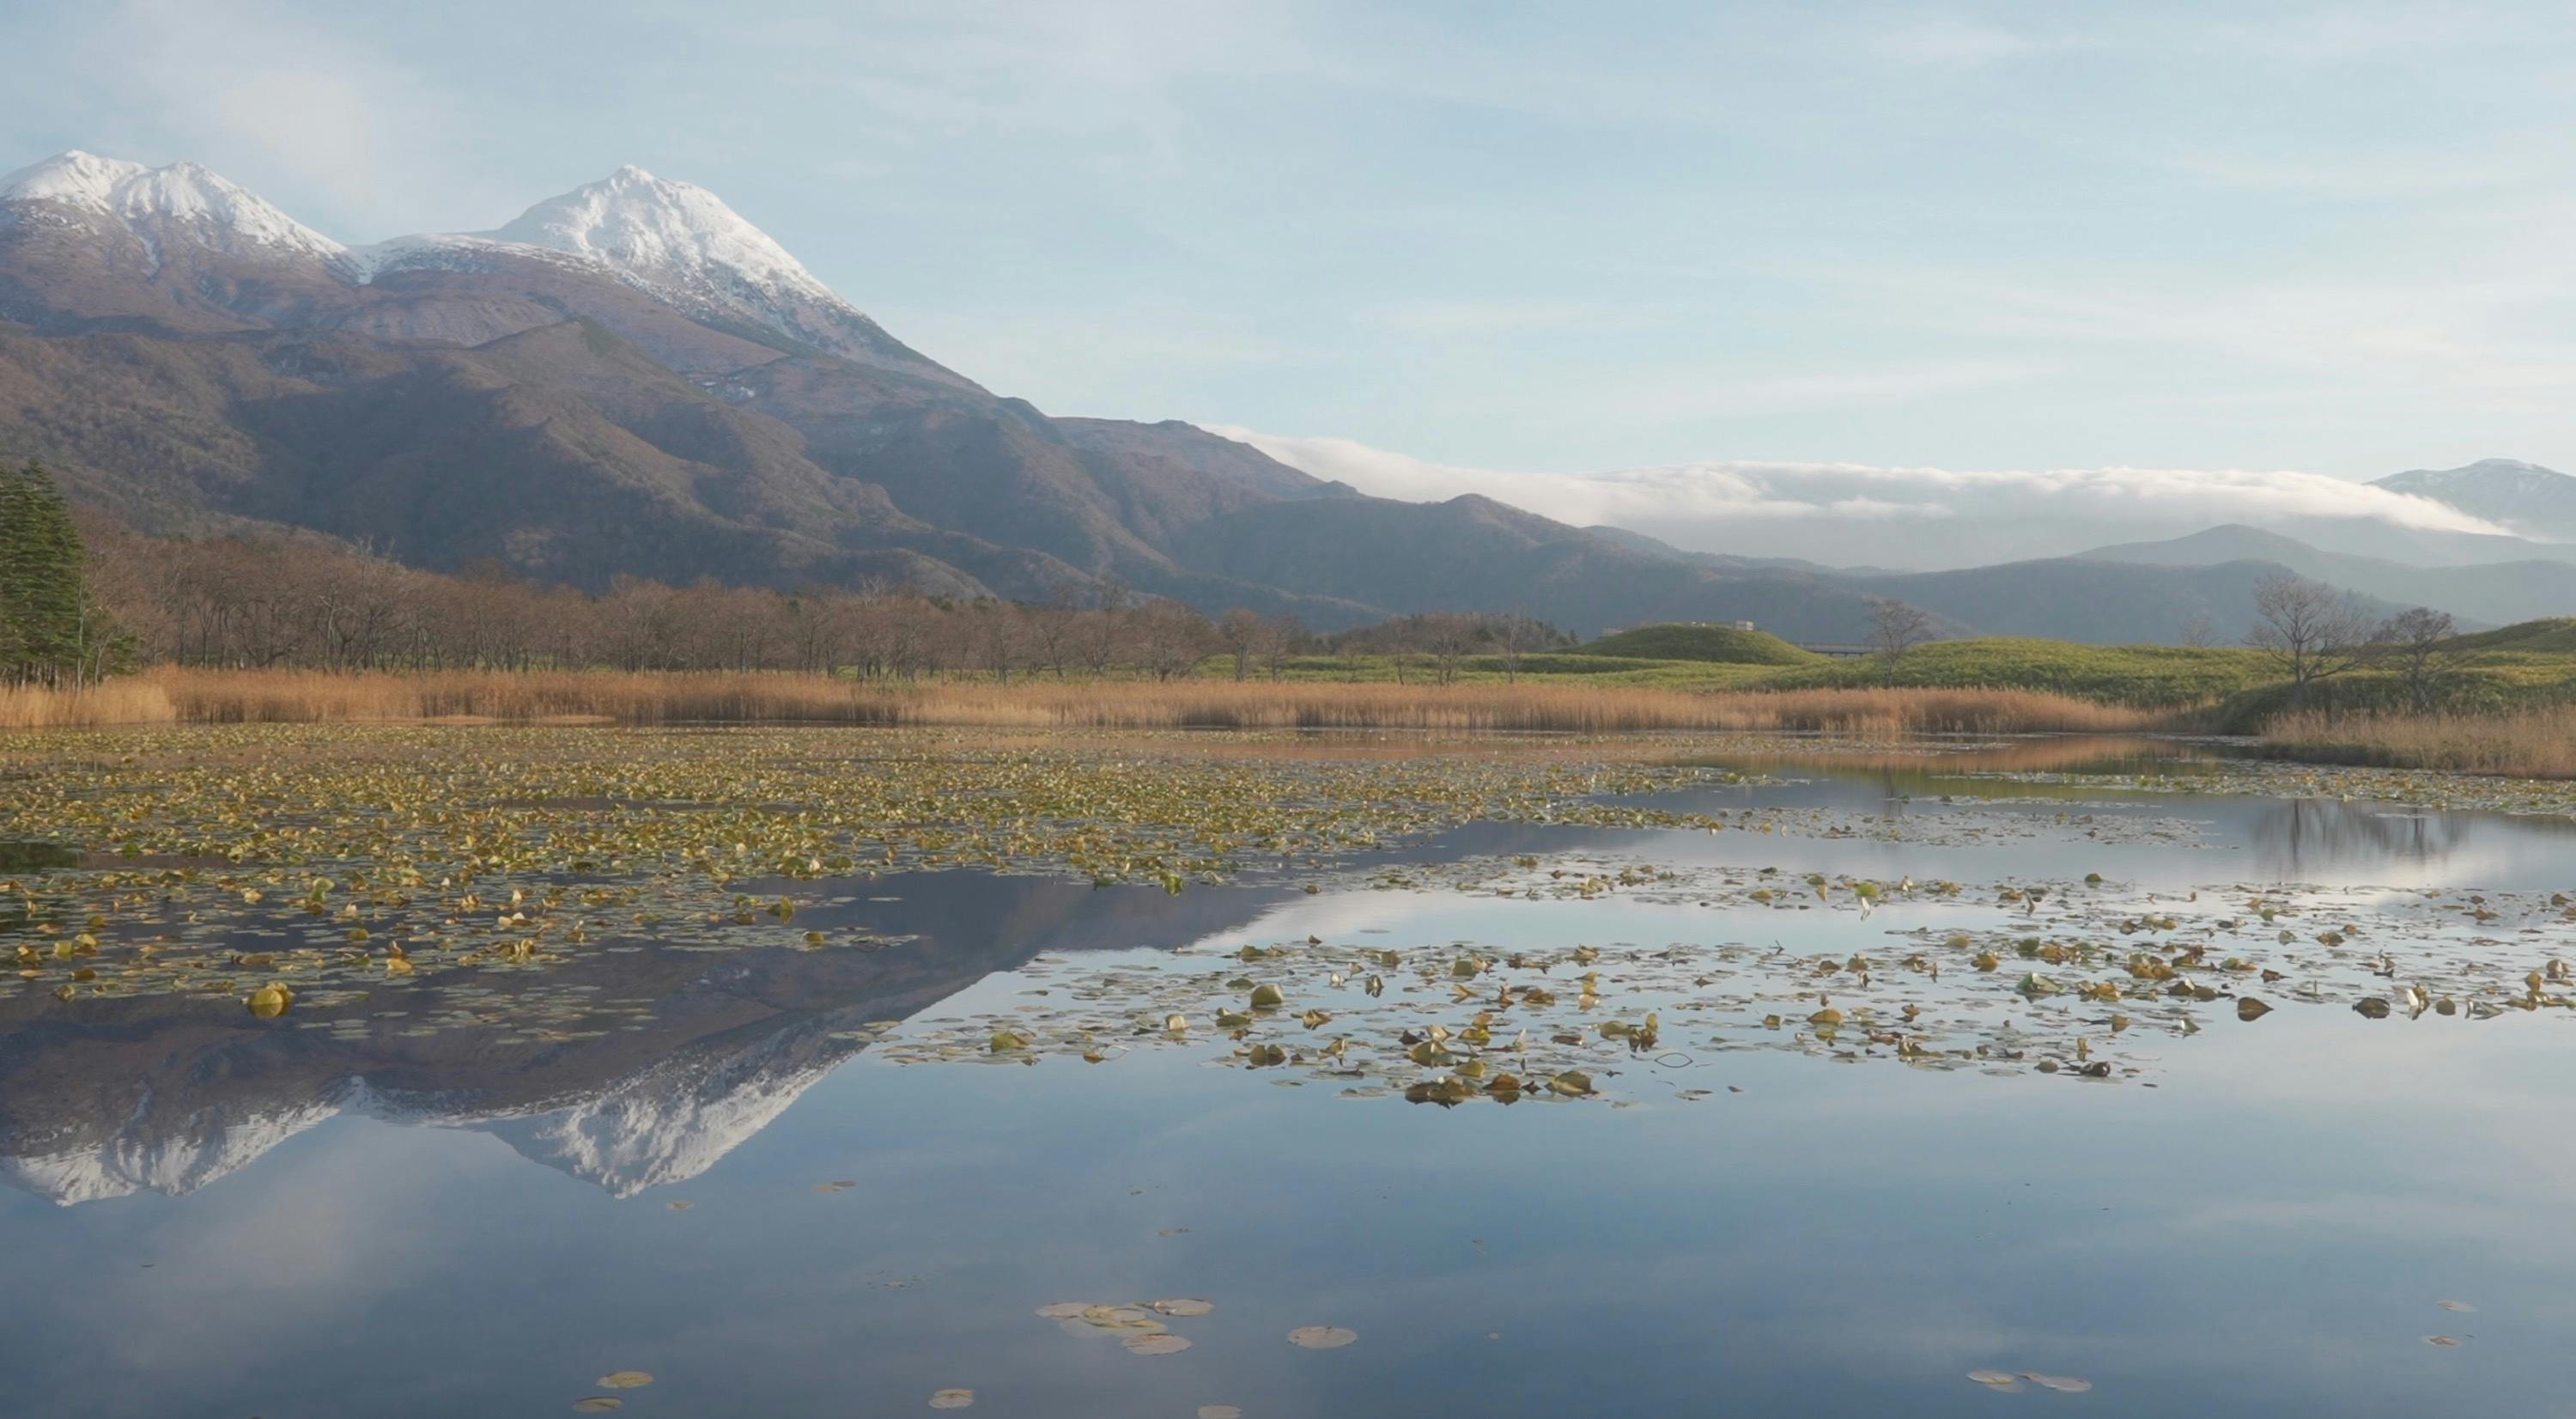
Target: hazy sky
1525	237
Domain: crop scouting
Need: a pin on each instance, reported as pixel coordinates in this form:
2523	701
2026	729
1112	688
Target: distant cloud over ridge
1861	512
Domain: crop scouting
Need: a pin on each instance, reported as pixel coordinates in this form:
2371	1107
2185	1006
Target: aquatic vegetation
295	870
2094	971
252	857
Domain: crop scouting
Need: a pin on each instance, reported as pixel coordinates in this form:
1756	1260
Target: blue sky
1540	238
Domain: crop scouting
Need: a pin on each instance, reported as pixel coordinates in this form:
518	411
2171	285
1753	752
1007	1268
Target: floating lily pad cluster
277	865
2062	979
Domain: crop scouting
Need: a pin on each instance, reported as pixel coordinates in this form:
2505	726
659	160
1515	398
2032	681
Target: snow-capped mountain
676	242
180	202
2537	501
672	236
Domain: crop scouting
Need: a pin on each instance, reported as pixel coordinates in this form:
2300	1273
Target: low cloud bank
1848	512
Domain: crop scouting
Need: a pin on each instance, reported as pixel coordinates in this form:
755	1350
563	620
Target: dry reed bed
2531	743
233	697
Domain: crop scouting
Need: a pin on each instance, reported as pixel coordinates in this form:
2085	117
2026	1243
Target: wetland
412	1070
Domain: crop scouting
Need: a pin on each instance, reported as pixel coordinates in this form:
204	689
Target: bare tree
1241	631
1450	638
1512	635
2199	631
2418	644
1894	629
1053	628
1001	639
2310	629
1286	634
1170	639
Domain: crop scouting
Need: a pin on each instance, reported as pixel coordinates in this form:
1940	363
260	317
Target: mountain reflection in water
168	1095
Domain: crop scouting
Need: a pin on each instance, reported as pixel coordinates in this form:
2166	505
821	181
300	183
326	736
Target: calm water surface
215	1216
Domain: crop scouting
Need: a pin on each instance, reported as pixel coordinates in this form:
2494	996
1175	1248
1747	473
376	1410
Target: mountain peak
663	232
181	199
2485	469
82	179
2534	500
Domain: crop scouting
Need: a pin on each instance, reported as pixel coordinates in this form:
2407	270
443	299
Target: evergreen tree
46	612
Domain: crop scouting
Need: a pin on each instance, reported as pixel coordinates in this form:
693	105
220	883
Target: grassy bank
238	697
2531	743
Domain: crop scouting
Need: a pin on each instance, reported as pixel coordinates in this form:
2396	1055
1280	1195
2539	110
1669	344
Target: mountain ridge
2497	593
2521	495
631	379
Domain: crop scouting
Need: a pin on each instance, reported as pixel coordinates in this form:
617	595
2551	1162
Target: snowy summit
180	201
674	241
664	234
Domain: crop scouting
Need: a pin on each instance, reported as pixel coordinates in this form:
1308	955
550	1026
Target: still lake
783	1187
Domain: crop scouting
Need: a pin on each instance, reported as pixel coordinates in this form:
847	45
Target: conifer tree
46	611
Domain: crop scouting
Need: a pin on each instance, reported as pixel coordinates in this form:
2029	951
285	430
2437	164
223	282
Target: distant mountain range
2535	501
2497	593
631	378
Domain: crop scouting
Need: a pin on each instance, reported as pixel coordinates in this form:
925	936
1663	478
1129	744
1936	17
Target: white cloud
1950	44
347	136
1660	396
1471	319
1854	512
2389	174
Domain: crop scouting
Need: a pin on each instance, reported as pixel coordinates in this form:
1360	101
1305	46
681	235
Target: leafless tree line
246	603
2313	632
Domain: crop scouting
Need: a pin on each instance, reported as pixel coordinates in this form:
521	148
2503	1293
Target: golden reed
2530	743
172	695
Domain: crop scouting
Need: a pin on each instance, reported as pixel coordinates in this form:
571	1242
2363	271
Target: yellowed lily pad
597	1404
952	1399
1163	1343
1322	1337
625	1379
1185	1306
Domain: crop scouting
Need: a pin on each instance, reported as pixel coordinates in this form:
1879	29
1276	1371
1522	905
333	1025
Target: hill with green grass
2554	636
2222	688
1723	645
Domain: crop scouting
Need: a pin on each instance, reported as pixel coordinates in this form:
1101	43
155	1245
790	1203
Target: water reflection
2325	841
696	1052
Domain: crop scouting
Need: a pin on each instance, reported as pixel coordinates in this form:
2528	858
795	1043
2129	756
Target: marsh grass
251	697
122	701
2539	742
